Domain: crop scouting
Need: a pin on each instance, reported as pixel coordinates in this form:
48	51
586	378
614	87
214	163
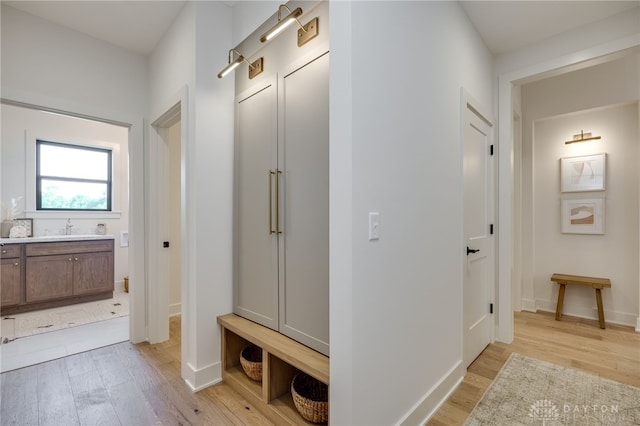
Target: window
72	177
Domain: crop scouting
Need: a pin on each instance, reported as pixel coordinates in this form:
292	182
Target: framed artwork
584	173
583	216
27	223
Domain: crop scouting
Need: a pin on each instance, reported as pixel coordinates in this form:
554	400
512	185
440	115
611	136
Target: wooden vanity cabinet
70	268
11	272
57	274
49	277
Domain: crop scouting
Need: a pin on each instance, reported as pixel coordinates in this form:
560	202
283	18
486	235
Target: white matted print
584	173
583	216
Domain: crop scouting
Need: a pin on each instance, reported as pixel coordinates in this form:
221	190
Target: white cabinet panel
256	254
304	248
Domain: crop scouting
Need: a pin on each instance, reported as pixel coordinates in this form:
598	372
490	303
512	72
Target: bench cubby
282	359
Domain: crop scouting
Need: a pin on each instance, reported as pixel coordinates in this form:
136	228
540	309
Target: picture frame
583	216
27	223
583	173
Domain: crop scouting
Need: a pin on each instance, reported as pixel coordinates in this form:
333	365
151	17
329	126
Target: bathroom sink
51	238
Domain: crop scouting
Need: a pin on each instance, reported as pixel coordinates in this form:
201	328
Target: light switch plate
374	226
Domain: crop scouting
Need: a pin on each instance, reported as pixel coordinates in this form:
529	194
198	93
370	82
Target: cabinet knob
76	259
16	264
4	251
70	259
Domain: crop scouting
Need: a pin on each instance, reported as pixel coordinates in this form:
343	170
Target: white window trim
30	180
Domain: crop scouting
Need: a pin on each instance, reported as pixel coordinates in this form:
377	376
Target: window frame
39	177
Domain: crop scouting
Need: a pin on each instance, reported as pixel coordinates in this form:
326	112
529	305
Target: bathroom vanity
46	272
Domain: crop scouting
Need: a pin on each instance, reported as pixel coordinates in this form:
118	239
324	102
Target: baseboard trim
422	412
175	309
589	312
198	379
529	305
638	325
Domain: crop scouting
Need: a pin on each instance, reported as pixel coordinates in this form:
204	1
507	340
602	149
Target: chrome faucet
69	226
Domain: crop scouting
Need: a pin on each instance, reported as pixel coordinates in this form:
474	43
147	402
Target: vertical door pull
271	173
278	173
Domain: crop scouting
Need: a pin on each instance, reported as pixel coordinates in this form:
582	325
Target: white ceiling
509	25
504	25
133	25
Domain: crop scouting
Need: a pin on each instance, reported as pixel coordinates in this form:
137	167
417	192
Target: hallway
576	343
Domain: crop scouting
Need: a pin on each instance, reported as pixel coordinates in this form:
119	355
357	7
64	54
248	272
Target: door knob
471	250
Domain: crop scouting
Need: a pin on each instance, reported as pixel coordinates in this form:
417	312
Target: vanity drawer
9	251
68	247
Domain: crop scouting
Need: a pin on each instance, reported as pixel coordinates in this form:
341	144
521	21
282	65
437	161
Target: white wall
613	255
396	307
188	57
249	15
17	124
51	66
611	83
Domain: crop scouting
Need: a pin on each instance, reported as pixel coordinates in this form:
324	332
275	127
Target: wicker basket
251	361
311	398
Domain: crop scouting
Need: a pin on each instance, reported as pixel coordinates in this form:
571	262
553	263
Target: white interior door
478	256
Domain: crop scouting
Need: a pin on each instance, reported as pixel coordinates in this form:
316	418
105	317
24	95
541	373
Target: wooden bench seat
597	283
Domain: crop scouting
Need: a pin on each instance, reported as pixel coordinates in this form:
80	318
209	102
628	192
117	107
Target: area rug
528	391
29	323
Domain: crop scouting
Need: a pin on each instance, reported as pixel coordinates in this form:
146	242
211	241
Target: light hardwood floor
127	384
122	384
577	343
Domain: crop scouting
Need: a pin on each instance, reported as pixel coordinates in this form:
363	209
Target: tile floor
57	344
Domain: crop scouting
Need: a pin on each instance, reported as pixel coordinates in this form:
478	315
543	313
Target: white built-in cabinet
282	203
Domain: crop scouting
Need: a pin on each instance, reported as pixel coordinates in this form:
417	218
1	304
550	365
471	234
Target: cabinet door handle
16	264
76	259
70	259
271	174
278	173
4	251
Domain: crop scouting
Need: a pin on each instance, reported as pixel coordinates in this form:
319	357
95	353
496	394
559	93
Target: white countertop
55	238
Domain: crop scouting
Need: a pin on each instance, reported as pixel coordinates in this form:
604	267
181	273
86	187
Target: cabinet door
92	273
49	277
255	240
11	281
304	282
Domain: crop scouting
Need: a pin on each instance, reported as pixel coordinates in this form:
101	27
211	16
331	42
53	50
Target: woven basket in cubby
311	398
251	361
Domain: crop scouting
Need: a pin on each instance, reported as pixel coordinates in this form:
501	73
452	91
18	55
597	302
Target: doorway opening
38	326
512	206
166	222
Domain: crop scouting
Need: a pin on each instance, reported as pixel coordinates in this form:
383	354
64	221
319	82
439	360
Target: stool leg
600	308
560	301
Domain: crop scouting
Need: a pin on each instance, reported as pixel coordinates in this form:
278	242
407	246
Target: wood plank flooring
127	384
577	343
122	384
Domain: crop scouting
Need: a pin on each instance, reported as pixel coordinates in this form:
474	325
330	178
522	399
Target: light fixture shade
232	65
282	24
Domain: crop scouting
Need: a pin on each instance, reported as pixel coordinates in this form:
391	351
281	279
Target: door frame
467	100
156	217
507	81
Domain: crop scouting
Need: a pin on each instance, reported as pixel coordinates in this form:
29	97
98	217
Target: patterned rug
528	391
29	323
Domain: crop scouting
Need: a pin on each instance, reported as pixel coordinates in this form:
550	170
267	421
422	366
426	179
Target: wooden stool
597	283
